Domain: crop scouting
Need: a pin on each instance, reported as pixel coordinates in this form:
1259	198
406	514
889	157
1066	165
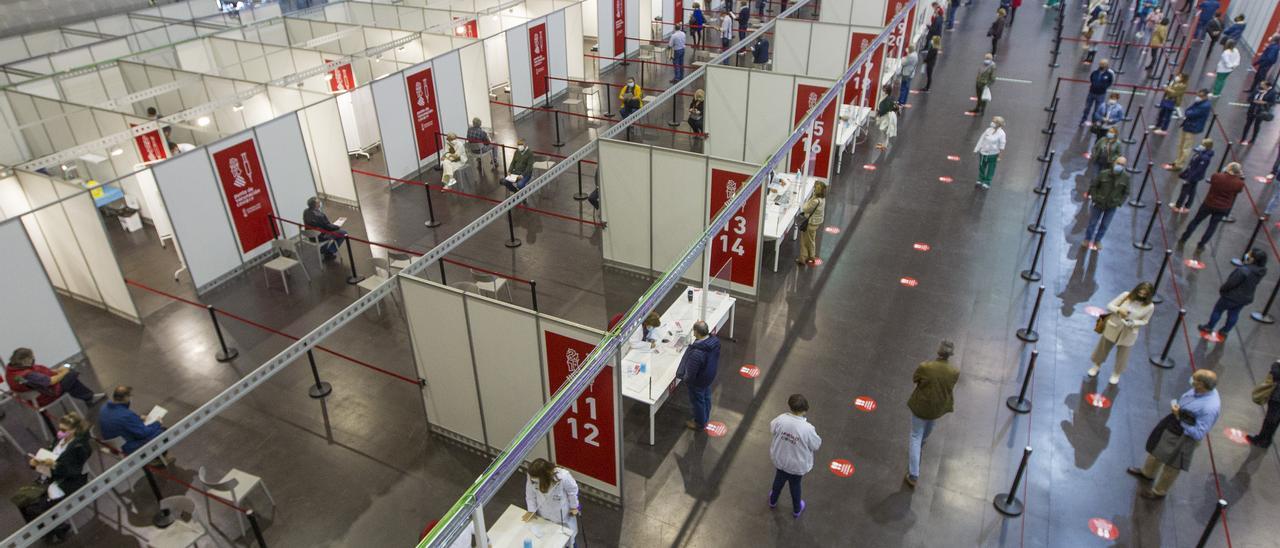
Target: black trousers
780	478
1215	216
1269	424
1251	121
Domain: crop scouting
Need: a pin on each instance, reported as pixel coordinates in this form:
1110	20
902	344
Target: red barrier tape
633	60
1266	231
500	145
608	84
693	46
1117	84
1115	43
637	124
169	476
347	236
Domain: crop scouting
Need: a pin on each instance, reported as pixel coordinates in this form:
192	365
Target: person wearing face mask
997	28
1193	122
331	235
1106	150
1259	112
1107	192
60	474
1159	34
631	96
1227	62
1100	81
990	144
1237	292
1126	314
1175	438
1217	204
1171	101
1092	31
521	167
1201	156
986	77
1108	116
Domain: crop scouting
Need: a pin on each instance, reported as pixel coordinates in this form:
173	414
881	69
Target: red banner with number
863	87
341	78
584	436
422	105
246	190
823	131
899	37
538	59
738	241
619	28
151	146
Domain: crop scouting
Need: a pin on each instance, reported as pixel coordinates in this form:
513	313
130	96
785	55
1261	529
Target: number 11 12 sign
584	437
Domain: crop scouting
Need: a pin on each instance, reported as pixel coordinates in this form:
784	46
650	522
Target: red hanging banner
584	436
619	28
422	105
823	131
151	146
246	191
468	29
738	241
899	37
538	59
863	87
341	78
677	14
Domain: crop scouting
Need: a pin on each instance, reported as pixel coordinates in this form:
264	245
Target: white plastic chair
288	259
186	530
5	398
235	486
312	238
32	397
490	284
381	271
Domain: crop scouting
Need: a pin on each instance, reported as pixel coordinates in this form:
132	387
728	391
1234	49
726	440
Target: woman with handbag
1172	99
812	213
887	117
1266	394
1126	314
61	472
1259	111
696	108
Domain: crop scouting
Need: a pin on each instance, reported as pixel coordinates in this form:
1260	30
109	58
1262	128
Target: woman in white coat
1126	314
552	494
454	159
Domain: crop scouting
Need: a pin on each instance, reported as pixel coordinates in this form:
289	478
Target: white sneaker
1093	371
1115	379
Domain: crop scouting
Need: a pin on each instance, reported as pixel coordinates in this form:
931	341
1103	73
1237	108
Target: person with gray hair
478	145
698	371
1175	438
932	398
331	235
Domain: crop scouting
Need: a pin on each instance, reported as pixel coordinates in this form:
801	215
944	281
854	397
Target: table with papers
649	374
784	199
510	531
852	118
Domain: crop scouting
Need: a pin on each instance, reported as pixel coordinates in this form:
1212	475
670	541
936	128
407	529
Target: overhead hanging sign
861	89
538	58
899	37
341	78
422	106
619	28
584	439
738	241
822	139
469	29
151	146
245	188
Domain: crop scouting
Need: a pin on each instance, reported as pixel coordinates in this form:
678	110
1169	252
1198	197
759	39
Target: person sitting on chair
117	421
24	375
331	236
521	167
60	475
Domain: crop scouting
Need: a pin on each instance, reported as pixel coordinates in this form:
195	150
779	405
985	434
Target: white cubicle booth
763	105
617	25
34	318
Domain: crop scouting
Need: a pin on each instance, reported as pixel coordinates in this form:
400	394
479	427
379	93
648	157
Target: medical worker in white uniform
552	494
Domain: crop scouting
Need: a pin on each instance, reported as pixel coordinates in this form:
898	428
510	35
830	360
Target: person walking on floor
676	42
1201	156
996	31
990	144
1106	150
697	370
1193	122
1107	192
814	213
1175	438
933	397
1236	293
1125	316
986	77
1267	59
1260	103
1227	62
697	107
697	23
1100	81
1171	101
931	61
795	441
1217	204
907	71
1271	419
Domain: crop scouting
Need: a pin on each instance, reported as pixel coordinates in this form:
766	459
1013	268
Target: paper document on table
511	178
156	415
341	221
54	492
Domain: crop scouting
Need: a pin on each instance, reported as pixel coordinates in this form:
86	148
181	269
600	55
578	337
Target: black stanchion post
431	212
1030	274
443	279
226	354
1038	226
559	142
162	518
354	278
675	108
1265	315
1123	57
1048	143
1020	404
1137	118
257	528
1208	130
1239	261
579	195
502	151
1133	162
608	102
548	78
1145	244
533	293
321	389
1136	201
1053	103
1155	288
1028	333
1044	176
1163	361
513	242
1008	503
1049	127
1218	509
1225	154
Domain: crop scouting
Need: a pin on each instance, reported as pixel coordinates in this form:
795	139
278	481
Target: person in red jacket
1223	189
24	375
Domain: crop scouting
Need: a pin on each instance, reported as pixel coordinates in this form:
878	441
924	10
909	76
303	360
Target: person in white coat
989	147
454	159
552	494
794	443
1126	314
1227	62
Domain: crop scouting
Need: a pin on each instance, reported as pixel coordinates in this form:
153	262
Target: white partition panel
770	99
590	18
390	99
557	46
518	68
791	46
152	205
42	325
91	238
324	131
679	193
451	101
828	50
633	24
190	189
475	83
574	34
436	316
504	340
284	157
495	54
726	115
59	238
605	22
625	201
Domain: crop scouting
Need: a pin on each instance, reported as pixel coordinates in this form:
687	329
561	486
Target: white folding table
510	531
779	217
851	120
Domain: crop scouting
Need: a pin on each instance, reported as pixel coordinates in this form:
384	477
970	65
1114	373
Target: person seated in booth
116	420
479	145
454	159
521	167
631	96
61	473
649	332
24	375
331	236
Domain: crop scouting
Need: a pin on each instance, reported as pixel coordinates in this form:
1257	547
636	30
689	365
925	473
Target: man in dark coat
1272	419
698	371
1223	189
1237	291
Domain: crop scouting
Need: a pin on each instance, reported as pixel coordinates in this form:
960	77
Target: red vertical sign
823	131
468	29
341	78
863	87
422	105
151	146
619	28
899	37
538	58
1273	26
584	436
677	13
246	191
738	241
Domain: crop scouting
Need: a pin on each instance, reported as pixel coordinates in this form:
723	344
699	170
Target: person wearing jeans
1217	204
697	370
1109	189
1201	156
1172	99
933	397
1237	292
1100	81
677	43
794	443
907	71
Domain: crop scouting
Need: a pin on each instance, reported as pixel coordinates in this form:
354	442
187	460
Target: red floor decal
1097	400
946	179
716	429
1192	263
920	246
1211	337
841	467
1104	528
953	157
831	229
1236	435
1086	155
817	261
749	371
1261	179
1167	166
865	403
1094	311
908	281
970	113
869	167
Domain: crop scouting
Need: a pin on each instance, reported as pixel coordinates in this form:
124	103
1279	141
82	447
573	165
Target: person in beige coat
813	209
1126	314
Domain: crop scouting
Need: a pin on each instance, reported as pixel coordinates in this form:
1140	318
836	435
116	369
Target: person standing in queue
1175	438
1236	293
1194	120
1201	157
794	443
1107	192
1126	314
726	30
1260	103
1224	187
931	61
990	145
813	210
1271	420
744	20
697	22
521	167
933	397
697	371
1170	102
552	494
997	28
677	43
986	77
1100	81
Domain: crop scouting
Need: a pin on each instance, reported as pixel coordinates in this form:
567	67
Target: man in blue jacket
698	371
116	420
1208	8
1100	81
1265	61
1194	119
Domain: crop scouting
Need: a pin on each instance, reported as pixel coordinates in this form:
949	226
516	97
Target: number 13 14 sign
739	241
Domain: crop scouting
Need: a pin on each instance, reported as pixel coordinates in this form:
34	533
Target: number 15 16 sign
739	241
